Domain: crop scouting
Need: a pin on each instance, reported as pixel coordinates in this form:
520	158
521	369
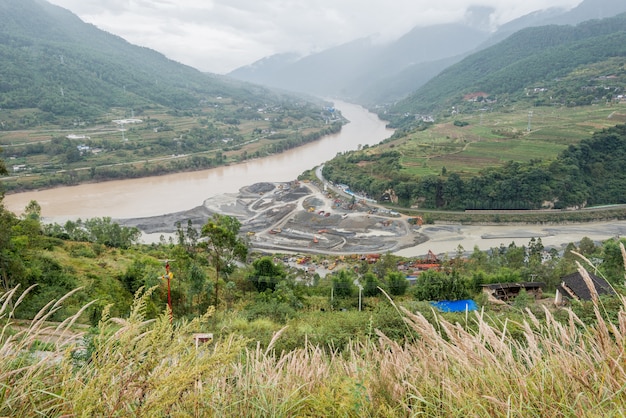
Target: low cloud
220	35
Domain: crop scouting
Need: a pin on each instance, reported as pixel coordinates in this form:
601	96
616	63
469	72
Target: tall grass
29	383
142	368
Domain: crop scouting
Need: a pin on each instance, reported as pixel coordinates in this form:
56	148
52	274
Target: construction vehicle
430	262
417	220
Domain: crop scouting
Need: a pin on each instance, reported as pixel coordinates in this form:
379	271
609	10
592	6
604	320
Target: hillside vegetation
510	170
532	59
65	69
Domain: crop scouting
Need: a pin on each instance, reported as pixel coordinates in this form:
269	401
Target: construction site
299	217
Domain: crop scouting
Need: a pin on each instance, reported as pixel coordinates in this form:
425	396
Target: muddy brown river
177	192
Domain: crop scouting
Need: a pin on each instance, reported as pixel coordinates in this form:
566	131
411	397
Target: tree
187	239
370	285
478	259
397	283
19	240
343	284
515	256
386	264
438	285
104	231
12	249
612	266
223	245
586	246
267	274
3	172
535	247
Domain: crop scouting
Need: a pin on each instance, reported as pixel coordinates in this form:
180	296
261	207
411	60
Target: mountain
324	73
370	73
261	70
543	56
350	70
427	49
590	9
586	10
56	64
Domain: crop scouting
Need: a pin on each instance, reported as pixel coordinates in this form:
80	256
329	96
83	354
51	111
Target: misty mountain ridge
348	69
371	73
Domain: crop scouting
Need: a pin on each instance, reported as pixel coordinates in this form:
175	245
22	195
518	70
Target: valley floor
297	217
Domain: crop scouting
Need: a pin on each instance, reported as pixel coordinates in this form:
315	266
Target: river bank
446	238
300	217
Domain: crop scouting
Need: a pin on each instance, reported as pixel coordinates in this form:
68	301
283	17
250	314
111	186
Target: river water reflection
177	192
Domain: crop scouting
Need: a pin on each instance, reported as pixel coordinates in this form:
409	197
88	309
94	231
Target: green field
493	138
164	141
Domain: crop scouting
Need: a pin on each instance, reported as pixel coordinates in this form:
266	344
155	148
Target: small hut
509	291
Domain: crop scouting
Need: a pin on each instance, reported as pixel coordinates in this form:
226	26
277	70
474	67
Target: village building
509	291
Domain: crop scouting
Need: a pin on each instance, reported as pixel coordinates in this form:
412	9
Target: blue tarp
455	305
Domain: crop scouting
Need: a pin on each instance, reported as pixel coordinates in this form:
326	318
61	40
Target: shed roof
525	285
576	284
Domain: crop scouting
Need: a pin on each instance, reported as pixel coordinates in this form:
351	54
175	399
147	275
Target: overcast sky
221	35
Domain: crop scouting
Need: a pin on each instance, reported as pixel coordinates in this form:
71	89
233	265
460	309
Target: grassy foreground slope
535	367
290	343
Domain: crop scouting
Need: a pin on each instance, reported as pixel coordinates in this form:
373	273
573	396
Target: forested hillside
534	58
59	67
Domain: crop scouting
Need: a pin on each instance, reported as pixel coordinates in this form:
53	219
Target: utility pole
169	276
